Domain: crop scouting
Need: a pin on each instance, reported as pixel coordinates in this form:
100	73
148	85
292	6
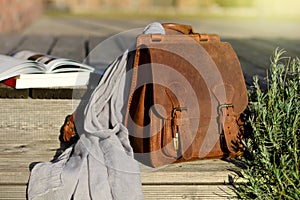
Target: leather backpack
187	93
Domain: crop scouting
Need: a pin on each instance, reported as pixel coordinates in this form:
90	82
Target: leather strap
230	129
228	126
182	132
68	128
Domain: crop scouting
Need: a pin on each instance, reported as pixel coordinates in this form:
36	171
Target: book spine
11	82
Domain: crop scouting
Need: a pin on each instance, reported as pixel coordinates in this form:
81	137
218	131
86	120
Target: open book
28	69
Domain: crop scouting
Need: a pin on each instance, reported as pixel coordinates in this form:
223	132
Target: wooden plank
201	179
251	54
249	71
94	41
9	92
187	192
248	64
291	46
254	59
213	171
103	52
15	169
260	51
59	93
31	132
8	43
71	47
13	192
268	46
28	148
104	27
15	177
255	55
18	162
96	51
16	156
38	43
192	166
188	178
159	192
29	118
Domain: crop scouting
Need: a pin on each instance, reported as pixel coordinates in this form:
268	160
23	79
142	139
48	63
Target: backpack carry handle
175	28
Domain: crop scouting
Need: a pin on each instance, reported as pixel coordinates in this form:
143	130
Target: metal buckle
178	109
226	105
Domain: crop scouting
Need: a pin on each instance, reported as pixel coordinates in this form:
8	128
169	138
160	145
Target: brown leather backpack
186	96
187	93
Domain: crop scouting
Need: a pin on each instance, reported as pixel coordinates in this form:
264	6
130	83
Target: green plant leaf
274	142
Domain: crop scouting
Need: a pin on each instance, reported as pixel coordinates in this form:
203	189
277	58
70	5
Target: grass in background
154	14
235	3
272	171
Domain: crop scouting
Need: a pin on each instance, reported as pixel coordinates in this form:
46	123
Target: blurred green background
210	8
15	15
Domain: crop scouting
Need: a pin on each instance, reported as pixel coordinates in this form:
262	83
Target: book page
6	62
66	65
34	56
55	64
11	67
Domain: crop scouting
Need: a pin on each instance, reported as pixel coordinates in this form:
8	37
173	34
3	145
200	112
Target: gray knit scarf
101	164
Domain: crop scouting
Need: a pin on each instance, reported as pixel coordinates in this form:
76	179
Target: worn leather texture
68	128
186	96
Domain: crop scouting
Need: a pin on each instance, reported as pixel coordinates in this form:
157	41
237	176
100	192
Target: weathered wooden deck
29	127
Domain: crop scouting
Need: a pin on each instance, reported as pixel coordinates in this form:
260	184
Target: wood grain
37	43
71	47
9	43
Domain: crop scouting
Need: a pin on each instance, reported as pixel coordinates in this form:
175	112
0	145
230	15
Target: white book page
27	55
10	67
66	65
71	79
55	64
